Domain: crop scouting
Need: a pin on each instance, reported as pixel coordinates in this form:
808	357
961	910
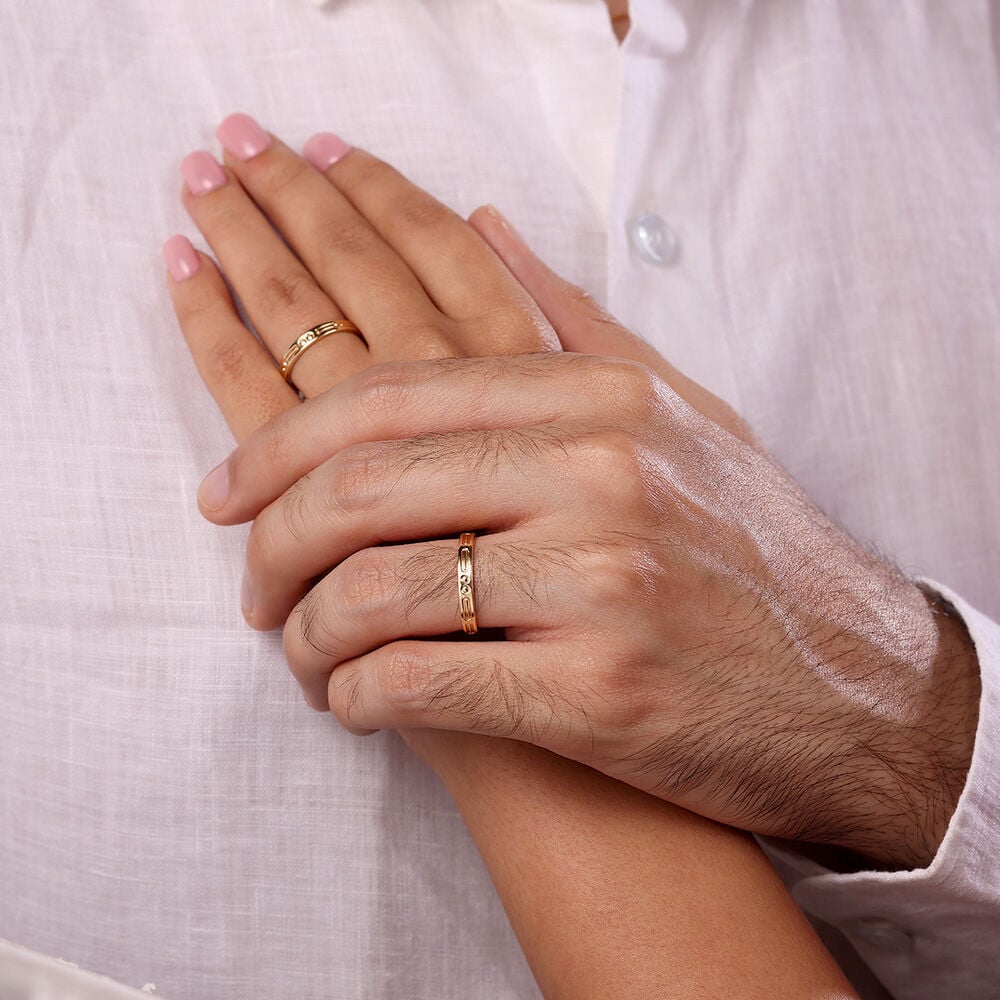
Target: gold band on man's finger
305	340
467	582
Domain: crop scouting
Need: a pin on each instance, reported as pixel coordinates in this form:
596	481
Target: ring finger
279	295
397	491
392	592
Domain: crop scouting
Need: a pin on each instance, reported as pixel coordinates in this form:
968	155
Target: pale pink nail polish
214	490
180	257
202	172
242	136
247	599
324	149
494	213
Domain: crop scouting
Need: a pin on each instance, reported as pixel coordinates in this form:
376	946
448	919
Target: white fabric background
832	171
171	811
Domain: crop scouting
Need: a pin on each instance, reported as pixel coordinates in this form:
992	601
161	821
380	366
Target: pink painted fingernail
180	257
494	213
247	599
324	149
214	490
202	172
242	136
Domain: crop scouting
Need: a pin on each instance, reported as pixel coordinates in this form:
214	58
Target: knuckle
227	362
367	586
344	691
615	574
294	506
194	299
420	211
273	444
359	476
275	175
382	390
404	678
581	299
311	626
279	293
614	458
513	330
623	680
263	549
367	171
636	383
354	239
426	342
620	380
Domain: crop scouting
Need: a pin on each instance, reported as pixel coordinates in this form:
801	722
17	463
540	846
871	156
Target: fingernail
214	490
242	136
324	149
202	172
247	599
180	257
494	213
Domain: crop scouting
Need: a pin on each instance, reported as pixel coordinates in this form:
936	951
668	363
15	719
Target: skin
618	10
570	851
678	614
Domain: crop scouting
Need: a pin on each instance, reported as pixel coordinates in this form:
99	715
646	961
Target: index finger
398	400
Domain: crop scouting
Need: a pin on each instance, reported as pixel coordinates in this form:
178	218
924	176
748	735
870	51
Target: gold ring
466	582
310	337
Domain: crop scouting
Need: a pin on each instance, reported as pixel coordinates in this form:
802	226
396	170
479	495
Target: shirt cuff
932	932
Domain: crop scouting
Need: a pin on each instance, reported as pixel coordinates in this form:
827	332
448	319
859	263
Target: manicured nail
242	136
202	172
180	257
324	149
494	213
247	599
214	490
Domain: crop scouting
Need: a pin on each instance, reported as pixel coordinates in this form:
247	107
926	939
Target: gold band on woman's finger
310	337
466	581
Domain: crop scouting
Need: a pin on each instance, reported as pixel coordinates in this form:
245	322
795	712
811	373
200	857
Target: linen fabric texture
172	812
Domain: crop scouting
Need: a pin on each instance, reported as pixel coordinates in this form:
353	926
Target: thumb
584	327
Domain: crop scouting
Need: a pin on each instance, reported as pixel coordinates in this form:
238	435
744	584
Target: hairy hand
674	611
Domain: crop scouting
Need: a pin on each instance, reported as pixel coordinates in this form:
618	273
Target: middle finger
389	491
348	258
280	296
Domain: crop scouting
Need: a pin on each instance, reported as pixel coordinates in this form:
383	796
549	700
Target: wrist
953	720
923	753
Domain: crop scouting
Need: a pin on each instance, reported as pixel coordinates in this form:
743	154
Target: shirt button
653	240
883	934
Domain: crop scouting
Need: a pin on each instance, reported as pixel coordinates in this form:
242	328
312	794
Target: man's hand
677	613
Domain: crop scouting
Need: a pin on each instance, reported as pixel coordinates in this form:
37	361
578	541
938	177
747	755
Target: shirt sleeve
933	932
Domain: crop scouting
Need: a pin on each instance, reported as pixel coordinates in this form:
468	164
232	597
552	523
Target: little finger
516	690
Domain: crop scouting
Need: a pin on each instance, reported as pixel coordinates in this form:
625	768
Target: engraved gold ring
305	340
467	582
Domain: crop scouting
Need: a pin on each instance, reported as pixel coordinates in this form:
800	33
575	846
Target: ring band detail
305	340
467	582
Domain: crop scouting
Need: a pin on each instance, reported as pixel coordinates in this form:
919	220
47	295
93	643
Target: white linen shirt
794	200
